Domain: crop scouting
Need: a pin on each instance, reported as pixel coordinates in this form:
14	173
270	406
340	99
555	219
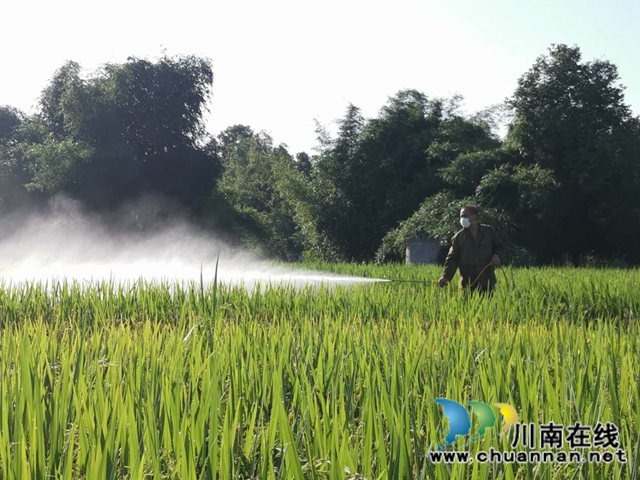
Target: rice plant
186	382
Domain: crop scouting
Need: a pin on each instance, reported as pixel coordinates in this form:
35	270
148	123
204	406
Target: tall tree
570	117
56	94
378	171
134	128
250	184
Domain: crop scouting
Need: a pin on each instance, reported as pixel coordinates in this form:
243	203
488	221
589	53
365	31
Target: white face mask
465	222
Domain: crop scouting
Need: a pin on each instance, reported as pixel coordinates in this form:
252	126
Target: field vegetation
145	381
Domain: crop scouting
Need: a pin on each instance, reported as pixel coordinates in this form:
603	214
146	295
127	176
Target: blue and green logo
460	419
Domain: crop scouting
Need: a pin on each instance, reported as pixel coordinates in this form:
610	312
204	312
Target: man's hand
495	261
442	282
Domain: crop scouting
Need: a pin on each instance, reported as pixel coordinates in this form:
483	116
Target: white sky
279	64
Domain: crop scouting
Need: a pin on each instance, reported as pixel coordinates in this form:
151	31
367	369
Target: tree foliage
253	170
133	128
570	117
438	218
564	180
378	171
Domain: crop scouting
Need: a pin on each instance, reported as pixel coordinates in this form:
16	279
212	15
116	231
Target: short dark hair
472	209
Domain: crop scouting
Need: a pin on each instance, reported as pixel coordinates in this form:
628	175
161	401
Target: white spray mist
68	244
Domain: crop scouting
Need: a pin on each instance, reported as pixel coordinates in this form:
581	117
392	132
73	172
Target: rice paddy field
141	381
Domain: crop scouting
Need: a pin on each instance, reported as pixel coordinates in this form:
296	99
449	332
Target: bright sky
278	64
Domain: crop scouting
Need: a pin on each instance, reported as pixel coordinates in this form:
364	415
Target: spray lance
436	281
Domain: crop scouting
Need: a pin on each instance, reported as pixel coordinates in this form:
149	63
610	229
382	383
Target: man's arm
451	262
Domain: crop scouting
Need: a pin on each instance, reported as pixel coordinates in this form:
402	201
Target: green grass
137	381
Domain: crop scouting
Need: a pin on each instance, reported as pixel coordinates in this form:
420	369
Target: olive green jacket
472	255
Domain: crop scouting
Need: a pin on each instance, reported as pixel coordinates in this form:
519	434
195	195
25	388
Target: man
472	248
